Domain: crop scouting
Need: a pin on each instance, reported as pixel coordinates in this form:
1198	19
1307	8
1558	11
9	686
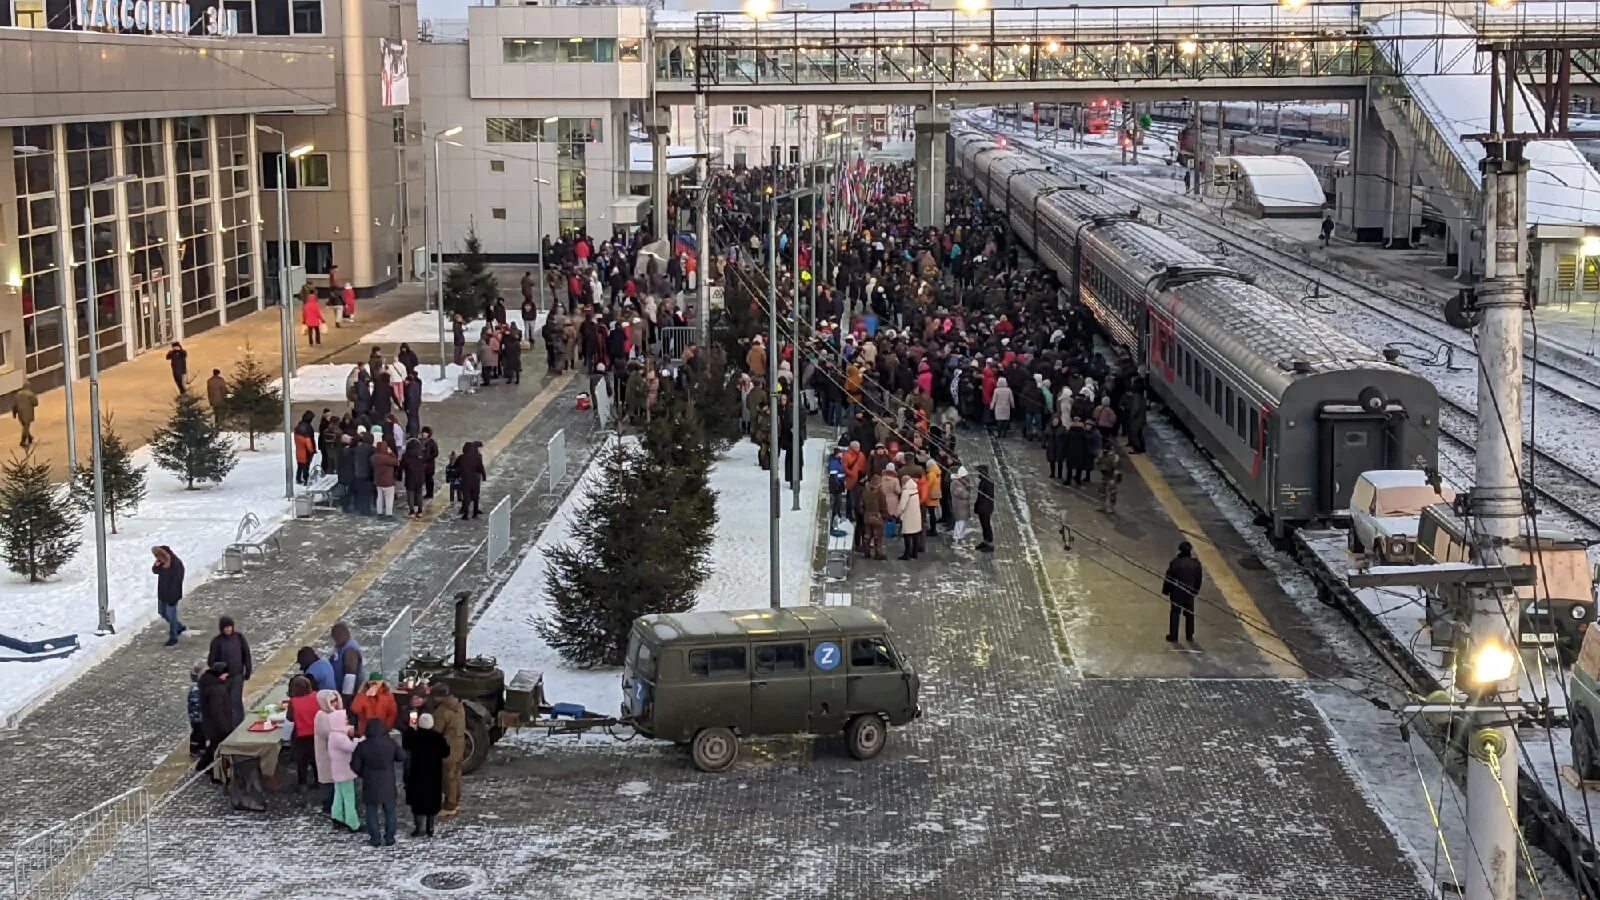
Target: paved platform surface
1024	778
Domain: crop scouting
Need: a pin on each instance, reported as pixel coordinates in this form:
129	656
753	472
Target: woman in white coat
1001	404
601	391
910	512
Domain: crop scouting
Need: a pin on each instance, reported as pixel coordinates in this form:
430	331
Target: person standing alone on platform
1180	586
178	358
168	570
23	403
229	646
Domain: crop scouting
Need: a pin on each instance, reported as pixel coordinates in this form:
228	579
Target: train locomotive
1291	411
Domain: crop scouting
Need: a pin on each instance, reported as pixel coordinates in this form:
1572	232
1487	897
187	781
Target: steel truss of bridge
1232	49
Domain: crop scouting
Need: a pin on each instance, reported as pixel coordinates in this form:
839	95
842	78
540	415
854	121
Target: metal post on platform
438	238
702	231
775	490
1496	513
796	410
1198	149
102	577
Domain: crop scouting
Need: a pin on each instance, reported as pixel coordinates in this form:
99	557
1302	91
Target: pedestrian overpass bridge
1209	51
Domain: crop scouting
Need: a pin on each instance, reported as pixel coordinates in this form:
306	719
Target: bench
252	537
321	490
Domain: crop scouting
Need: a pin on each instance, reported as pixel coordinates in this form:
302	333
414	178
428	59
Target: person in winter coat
342	744
311	317
168	570
330	715
231	648
302	708
1105	419
375	701
216	711
600	392
426	750
450	720
1134	410
470	469
1079	456
319	670
414	469
385	468
305	448
382	395
1109	466
1001	404
1180	586
960	490
411	402
983	507
910	512
873	514
361	395
1055	447
375	760
932	488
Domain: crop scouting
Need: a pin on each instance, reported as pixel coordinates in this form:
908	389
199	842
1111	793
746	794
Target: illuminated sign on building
154	17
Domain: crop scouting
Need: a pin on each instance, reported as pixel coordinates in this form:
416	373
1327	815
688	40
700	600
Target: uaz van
708	678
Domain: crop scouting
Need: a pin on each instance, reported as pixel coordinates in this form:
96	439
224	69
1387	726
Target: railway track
1561	484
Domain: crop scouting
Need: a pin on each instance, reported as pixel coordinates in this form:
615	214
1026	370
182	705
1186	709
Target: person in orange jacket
375	701
305	447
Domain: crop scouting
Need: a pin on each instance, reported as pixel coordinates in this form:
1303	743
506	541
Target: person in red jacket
302	707
311	316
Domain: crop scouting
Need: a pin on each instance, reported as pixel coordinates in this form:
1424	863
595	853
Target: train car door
1352	444
1163	357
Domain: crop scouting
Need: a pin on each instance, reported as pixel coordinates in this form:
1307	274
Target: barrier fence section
675	339
499	533
394	649
557	448
104	850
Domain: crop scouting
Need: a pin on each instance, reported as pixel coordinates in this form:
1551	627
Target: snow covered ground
738	579
198	525
326	382
422	329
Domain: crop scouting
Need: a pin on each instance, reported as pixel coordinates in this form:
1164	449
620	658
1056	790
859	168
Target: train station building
162	123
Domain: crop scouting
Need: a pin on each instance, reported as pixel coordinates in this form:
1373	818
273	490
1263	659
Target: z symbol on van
826	656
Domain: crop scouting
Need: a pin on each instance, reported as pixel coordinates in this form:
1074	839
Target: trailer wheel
714	749
1585	761
866	735
478	744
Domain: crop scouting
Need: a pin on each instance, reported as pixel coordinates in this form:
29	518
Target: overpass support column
1404	218
1363	193
933	133
658	125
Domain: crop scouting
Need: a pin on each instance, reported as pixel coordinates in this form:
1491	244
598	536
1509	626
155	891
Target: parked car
1385	507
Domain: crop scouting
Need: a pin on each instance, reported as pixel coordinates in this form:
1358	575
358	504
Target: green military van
708	678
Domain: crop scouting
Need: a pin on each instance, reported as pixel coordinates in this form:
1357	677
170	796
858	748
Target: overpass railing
710	50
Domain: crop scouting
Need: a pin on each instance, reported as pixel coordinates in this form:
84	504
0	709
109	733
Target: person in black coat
361	482
470	469
408	358
411	393
382	396
1079	453
511	356
426	750
216	711
414	468
1181	585
230	648
168	570
1055	447
983	506
375	761
328	442
430	454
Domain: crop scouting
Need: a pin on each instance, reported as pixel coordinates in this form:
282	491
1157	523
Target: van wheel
1585	761
478	742
714	749
866	735
1355	543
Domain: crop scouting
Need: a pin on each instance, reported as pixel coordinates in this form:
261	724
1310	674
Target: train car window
1227	406
1205	378
1238	422
1255	428
1216	399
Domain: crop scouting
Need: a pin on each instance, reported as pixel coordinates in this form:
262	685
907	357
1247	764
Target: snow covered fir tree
191	446
38	533
253	405
470	286
122	483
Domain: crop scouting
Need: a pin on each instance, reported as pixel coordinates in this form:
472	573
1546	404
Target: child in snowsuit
452	476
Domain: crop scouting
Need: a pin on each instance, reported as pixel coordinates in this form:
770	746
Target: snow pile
738	580
198	525
422	329
327	381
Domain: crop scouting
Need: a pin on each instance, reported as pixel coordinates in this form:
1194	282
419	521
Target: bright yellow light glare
972	47
1590	245
452	131
1492	663
300	151
758	9
1502	4
1052	47
972	7
1188	48
1291	5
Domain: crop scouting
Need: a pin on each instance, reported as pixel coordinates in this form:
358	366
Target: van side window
717	662
871	653
773	658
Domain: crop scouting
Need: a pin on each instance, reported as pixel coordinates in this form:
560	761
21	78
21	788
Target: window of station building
318	256
794	154
27	14
144	156
880	124
245	10
96	275
272	17
563	50
38	248
312	172
191	147
629	50
497	165
570	133
497	212
237	215
306	16
741	117
741	158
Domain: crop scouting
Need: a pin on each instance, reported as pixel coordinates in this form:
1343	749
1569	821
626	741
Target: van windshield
641	659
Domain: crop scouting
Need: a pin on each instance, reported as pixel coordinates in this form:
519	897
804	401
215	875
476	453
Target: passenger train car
1292	412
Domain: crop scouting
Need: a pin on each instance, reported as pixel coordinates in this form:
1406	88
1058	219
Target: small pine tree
190	446
37	531
252	405
122	483
624	563
470	285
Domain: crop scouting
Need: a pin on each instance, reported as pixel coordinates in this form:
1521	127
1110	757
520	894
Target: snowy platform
326	382
421	329
198	525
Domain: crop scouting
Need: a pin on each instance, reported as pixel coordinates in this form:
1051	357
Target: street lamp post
540	182
438	239
102	583
285	314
